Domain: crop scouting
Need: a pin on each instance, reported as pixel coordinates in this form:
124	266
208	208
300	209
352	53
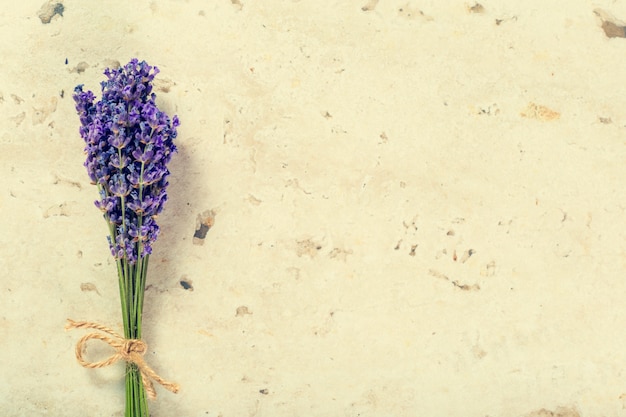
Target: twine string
128	350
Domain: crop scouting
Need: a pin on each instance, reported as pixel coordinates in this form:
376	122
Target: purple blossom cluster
129	143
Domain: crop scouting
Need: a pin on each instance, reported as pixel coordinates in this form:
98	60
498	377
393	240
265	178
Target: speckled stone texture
378	208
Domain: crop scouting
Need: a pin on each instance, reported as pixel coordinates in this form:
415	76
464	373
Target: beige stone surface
417	208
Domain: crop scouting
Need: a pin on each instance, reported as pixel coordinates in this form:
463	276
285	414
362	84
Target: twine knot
132	345
129	350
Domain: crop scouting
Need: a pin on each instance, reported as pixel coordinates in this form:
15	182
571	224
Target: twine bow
129	350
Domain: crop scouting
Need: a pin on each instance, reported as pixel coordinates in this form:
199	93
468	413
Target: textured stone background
417	208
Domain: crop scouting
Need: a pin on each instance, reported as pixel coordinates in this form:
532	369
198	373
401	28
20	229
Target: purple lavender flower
129	143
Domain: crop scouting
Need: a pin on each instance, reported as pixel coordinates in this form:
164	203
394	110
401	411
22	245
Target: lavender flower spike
129	143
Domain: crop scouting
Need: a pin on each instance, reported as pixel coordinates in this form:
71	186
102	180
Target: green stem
142	263
132	283
136	400
142	288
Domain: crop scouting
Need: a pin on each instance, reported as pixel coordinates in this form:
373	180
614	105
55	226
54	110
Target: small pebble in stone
49	10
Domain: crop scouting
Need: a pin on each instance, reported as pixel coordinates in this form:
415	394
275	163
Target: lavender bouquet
129	143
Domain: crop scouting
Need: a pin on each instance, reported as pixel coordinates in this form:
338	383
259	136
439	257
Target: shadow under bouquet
129	143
